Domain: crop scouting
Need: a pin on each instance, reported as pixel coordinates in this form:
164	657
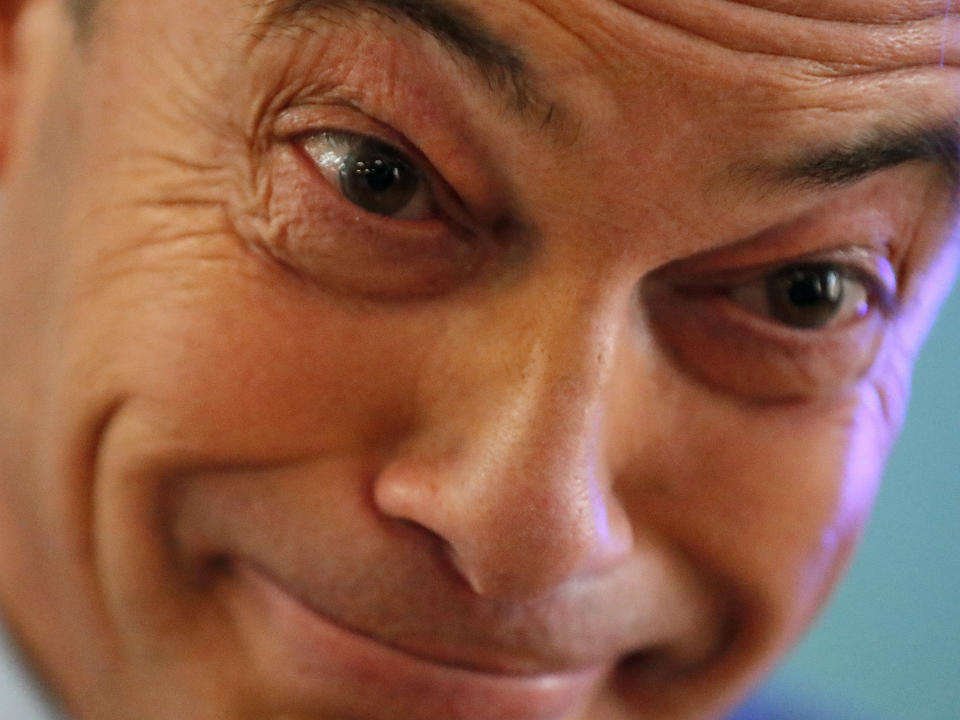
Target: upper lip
506	662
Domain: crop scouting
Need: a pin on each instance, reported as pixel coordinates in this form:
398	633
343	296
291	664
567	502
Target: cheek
235	361
211	359
768	500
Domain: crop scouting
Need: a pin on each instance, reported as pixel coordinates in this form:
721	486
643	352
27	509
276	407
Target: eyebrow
456	28
847	163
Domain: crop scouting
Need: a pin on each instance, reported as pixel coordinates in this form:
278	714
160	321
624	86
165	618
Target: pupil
809	288
807	296
378	175
378	178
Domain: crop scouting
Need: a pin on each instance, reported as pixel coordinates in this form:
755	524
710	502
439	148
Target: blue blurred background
888	645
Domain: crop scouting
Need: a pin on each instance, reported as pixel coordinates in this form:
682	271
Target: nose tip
523	506
513	538
538	546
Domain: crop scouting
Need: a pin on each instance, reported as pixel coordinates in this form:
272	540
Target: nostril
650	660
461	568
645	669
684	657
485	578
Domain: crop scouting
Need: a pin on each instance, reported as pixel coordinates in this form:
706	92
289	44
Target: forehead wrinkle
837	46
857	11
455	27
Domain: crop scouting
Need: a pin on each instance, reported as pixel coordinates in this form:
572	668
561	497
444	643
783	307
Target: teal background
888	645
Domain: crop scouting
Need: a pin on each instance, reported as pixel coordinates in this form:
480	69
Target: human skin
535	449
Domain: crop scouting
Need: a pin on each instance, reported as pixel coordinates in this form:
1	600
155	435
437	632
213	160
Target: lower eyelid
324	239
713	339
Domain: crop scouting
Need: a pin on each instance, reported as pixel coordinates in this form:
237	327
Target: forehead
789	45
752	46
819	38
923	30
849	58
849	10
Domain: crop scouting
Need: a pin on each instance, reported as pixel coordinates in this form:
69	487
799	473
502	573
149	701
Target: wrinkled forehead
846	10
863	35
815	39
850	10
859	66
866	12
867	35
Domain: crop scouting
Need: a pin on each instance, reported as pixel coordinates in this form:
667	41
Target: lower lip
322	666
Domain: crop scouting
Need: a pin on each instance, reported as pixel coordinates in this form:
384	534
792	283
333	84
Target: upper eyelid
864	219
301	121
447	201
883	296
415	158
866	262
341	135
870	266
448	154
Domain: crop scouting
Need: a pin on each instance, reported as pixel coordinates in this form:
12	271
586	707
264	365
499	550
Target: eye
807	296
807	327
372	175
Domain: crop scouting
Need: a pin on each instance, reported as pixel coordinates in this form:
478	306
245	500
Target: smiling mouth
321	663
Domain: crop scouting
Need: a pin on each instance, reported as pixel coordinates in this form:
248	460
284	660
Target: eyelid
447	203
347	250
346	117
713	339
330	151
866	264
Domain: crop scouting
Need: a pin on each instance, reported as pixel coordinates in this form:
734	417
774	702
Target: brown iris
805	296
378	178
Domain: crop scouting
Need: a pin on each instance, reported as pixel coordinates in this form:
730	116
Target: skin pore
528	359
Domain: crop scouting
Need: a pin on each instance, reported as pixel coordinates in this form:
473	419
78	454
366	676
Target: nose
513	475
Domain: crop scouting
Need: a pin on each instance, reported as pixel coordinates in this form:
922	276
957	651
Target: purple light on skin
946	27
819	567
598	505
601	519
870	437
884	395
937	279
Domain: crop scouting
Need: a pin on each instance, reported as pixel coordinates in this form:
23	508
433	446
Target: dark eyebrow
847	163
455	27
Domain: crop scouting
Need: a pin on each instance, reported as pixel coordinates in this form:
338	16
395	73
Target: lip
326	667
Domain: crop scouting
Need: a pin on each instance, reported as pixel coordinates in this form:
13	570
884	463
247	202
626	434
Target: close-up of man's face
454	359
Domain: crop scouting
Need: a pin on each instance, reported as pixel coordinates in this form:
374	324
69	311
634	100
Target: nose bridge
523	498
541	463
554	413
